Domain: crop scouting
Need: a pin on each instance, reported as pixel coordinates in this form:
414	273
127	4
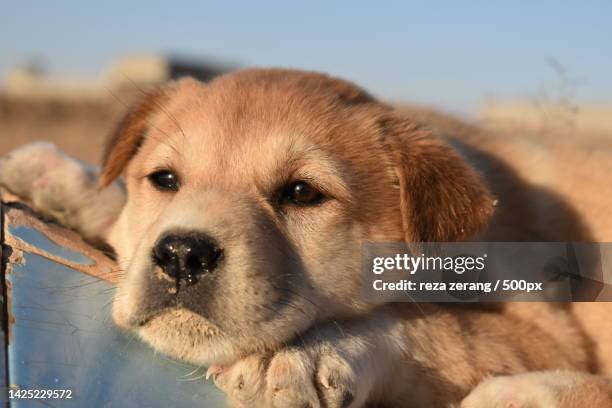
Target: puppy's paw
496	392
26	171
530	390
314	378
542	389
305	377
60	187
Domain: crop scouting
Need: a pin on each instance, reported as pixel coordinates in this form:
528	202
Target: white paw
296	377
519	391
60	187
45	176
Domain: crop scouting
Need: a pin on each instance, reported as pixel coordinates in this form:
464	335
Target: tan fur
286	324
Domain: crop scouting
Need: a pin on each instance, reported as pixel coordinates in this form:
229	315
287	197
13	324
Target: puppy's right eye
164	180
302	194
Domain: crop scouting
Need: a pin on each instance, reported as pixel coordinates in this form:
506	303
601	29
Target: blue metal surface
3	310
39	240
62	338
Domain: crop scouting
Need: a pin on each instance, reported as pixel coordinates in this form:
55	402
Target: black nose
185	257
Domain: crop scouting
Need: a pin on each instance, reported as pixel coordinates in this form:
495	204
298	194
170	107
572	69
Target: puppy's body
279	315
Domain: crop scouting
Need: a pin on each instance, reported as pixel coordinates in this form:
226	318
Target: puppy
240	228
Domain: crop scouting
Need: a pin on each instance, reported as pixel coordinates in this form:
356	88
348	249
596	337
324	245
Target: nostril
201	258
204	256
165	255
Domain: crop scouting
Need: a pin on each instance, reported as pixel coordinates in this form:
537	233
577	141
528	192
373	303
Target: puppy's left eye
164	180
301	193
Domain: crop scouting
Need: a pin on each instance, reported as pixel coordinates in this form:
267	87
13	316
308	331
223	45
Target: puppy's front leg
63	188
403	355
338	365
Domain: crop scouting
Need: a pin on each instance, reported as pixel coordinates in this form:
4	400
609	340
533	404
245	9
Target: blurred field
78	113
78	127
550	120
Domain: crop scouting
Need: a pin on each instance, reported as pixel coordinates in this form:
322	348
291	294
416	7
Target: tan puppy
248	200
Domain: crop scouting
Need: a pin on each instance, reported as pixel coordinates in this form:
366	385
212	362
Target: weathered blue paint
40	241
62	338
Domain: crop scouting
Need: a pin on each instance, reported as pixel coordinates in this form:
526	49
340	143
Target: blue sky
450	54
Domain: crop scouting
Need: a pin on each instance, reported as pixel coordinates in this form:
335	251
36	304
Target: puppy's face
249	199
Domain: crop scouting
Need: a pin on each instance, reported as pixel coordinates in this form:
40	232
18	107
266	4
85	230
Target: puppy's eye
164	180
301	193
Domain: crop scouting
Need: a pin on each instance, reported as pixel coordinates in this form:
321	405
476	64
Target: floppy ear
131	130
124	141
442	198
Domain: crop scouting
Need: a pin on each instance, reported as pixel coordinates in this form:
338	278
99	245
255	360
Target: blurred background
69	68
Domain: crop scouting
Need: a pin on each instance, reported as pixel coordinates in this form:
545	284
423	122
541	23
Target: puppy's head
249	199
